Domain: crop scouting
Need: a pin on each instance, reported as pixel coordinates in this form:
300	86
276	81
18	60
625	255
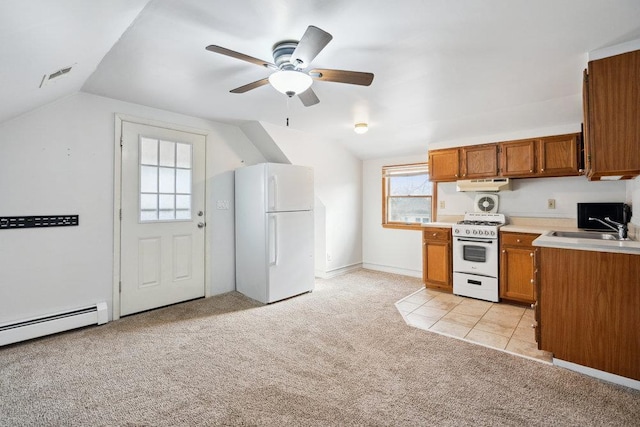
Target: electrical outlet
329	257
551	204
441	204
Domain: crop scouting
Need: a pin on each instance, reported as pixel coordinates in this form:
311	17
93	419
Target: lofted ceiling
444	70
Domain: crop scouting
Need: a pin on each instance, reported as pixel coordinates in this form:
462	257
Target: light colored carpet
341	355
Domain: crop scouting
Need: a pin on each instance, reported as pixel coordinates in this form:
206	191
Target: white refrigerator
274	231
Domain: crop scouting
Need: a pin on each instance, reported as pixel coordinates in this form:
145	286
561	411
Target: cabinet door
558	155
516	274
518	158
437	268
437	265
614	114
444	165
480	161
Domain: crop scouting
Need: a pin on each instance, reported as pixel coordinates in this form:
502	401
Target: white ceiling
444	70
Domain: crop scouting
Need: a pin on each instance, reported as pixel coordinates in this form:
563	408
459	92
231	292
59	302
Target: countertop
544	226
614	246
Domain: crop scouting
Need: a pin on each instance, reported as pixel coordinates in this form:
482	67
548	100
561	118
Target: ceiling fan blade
241	56
308	98
248	87
342	76
309	46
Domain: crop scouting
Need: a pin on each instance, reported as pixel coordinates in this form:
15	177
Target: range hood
491	184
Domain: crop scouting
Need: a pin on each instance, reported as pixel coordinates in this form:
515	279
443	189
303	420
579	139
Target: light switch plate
222	204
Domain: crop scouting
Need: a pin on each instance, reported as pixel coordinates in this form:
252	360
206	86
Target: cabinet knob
530	170
435	234
534	305
518	240
542	170
531	254
532	281
504	251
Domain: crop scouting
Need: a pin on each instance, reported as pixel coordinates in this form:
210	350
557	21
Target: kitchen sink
585	235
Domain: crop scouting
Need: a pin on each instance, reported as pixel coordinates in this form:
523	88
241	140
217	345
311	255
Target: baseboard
393	270
602	375
338	271
35	327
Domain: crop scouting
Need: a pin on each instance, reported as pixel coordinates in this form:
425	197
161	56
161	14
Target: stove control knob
467	231
493	233
456	231
486	232
475	231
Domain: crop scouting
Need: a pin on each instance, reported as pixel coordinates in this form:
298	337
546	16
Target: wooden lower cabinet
437	268
517	267
589	309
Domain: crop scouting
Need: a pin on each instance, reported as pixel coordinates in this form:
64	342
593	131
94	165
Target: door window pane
183	181
183	202
149	202
167	153
148	151
167	180
165	192
183	154
148	179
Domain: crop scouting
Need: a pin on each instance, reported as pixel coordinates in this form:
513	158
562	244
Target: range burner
478	222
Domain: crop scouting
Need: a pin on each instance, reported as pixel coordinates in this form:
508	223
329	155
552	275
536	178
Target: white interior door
162	220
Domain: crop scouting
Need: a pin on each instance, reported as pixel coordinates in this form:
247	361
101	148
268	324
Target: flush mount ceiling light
361	128
290	82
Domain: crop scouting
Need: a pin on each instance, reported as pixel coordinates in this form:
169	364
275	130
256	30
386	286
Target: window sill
401	226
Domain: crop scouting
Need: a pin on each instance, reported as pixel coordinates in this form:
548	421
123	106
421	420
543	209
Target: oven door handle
475	241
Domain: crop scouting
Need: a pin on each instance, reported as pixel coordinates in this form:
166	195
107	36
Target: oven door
475	256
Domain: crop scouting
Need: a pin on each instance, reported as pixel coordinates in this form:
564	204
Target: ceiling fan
290	58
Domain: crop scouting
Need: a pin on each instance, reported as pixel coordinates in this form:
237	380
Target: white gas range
475	255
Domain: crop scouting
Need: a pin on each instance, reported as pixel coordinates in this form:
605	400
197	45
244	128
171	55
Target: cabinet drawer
437	234
517	239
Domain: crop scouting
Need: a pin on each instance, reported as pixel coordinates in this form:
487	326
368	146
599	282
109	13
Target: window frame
410	168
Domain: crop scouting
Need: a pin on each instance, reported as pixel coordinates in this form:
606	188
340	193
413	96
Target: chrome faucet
619	227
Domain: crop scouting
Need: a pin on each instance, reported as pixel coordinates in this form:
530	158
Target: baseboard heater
46	325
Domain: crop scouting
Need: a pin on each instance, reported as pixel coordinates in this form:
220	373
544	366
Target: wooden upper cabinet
444	165
559	155
612	110
518	158
549	156
479	161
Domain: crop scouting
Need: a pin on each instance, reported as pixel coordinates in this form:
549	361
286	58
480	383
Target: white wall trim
393	270
334	272
117	200
602	375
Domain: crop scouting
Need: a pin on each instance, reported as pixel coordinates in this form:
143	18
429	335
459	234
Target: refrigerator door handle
273	194
273	240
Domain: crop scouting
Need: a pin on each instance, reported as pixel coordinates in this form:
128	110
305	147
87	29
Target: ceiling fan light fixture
290	82
361	128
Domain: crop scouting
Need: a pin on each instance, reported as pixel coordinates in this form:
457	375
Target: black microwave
618	212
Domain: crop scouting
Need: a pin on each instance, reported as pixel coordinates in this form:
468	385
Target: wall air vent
51	78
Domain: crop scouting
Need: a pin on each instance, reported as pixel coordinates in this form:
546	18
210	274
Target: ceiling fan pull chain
288	111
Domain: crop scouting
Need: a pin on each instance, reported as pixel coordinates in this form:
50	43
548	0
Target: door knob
200	213
201	225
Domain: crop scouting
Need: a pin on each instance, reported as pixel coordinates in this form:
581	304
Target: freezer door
290	254
289	187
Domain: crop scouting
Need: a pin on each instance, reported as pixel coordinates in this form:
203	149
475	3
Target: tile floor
502	326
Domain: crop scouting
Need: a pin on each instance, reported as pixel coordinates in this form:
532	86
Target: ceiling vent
56	75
